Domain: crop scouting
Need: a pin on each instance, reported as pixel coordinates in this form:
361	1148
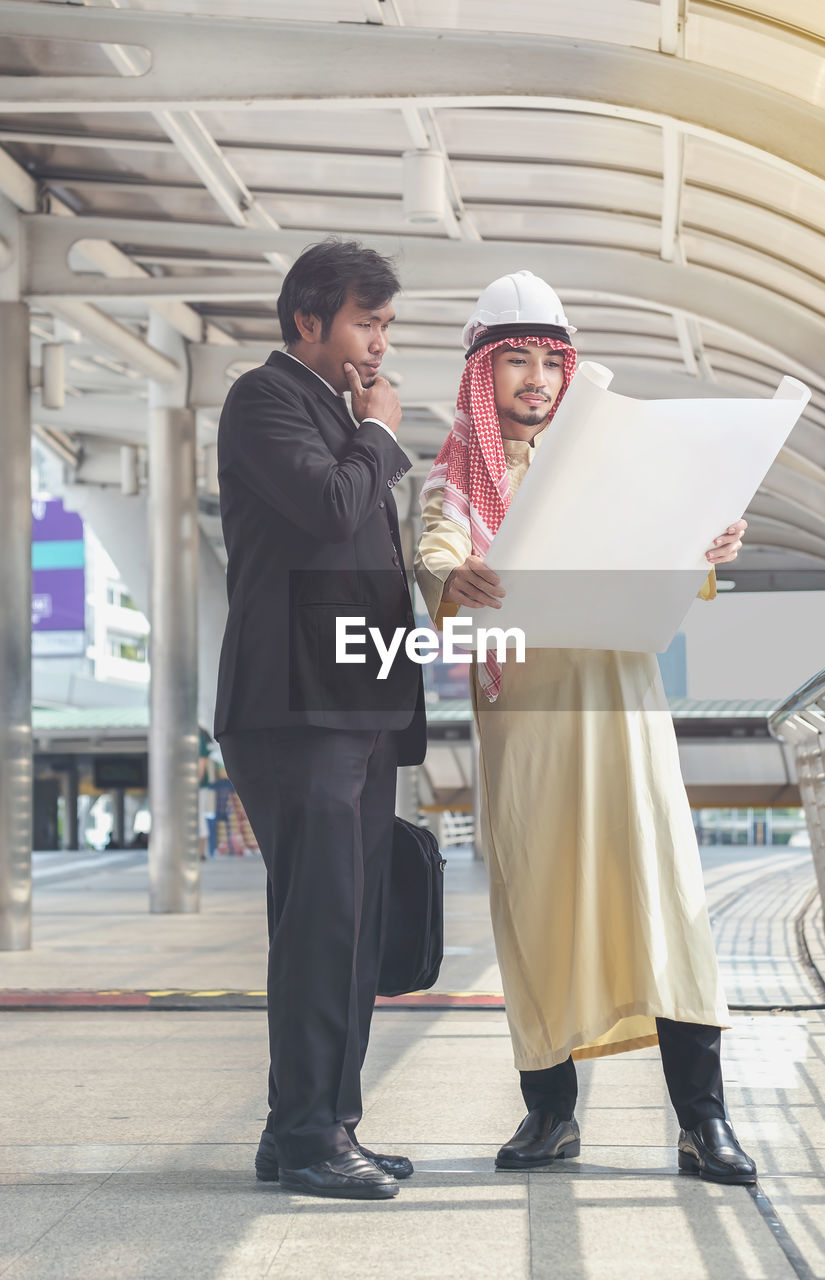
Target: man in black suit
310	745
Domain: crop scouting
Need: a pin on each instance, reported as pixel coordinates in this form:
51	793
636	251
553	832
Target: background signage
58	580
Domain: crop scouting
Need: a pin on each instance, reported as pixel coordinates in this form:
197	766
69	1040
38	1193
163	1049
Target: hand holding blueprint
603	546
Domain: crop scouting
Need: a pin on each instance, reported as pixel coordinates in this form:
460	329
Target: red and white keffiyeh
471	467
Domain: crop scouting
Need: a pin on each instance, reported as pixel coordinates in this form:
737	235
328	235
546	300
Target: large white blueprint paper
603	546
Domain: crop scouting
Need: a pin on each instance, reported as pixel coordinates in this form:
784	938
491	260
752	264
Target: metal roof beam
427	263
765	530
112	262
116	337
430	378
195	144
421	376
686	336
108	415
673	170
95	141
429	381
692	347
671	26
17	187
425	133
314	63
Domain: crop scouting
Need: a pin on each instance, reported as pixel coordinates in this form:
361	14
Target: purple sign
51	522
59	600
58	568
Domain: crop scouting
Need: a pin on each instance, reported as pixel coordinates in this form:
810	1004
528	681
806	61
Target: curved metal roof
661	163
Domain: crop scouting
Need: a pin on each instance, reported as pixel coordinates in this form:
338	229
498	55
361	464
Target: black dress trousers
692	1066
321	804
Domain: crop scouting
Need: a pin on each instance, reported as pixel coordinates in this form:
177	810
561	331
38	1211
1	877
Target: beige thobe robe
596	891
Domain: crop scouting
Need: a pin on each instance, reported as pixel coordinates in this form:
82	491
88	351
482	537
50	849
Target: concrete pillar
174	851
118	818
15	630
409	520
72	833
475	773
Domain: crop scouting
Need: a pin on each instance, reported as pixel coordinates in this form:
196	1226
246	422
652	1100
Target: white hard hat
520	298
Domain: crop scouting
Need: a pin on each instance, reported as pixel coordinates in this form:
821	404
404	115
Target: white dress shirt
389	430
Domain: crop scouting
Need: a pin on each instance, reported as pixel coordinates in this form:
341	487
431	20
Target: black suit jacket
311	533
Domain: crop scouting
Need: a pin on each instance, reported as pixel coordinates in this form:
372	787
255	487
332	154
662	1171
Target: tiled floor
127	1138
127	1144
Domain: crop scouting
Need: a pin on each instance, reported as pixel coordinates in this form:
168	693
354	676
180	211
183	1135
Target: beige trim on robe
596	890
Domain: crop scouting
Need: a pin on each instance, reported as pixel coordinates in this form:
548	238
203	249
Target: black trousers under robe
693	1072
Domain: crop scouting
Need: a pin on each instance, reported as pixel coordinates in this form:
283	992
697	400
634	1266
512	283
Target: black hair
319	282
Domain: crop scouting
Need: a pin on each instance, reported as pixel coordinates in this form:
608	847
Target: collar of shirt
339	396
328	385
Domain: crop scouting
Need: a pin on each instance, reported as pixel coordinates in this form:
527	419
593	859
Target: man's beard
532	418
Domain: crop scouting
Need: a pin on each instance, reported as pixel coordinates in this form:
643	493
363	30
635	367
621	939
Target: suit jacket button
395	559
382	503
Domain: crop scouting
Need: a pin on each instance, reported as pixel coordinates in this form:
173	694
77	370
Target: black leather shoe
348	1176
712	1151
266	1161
539	1140
399	1166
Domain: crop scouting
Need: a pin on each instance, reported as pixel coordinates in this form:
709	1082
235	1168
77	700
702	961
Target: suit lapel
343	412
291	366
294	368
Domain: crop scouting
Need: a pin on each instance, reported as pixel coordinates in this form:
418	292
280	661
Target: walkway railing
800	721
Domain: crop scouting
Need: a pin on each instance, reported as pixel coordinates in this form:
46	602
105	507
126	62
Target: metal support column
15	630
174	851
475	772
406	496
72	832
118	818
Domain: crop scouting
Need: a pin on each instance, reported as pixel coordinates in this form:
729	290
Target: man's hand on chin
378	400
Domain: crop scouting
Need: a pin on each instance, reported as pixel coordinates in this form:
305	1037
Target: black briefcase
414	937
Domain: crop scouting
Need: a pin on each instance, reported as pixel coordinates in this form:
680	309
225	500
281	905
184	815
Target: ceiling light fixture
424	188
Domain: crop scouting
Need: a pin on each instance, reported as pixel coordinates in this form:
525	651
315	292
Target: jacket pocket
329	670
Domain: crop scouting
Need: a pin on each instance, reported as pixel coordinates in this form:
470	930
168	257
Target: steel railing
800	722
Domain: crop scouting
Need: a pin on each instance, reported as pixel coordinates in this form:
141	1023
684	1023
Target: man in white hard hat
596	892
